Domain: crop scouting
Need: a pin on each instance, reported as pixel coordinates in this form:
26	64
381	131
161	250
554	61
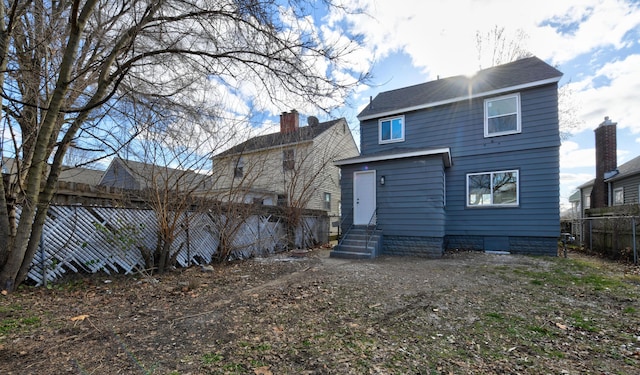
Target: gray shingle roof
146	174
529	71
304	133
630	168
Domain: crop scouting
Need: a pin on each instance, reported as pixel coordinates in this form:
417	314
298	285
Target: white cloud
580	28
571	156
616	99
440	36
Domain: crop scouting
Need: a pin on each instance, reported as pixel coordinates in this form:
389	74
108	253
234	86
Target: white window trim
615	191
518	116
325	202
493	205
401	139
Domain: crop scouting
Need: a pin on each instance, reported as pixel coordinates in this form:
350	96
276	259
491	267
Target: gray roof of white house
302	134
520	74
630	168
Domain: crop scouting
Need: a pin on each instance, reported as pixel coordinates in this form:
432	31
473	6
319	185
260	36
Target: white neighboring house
292	167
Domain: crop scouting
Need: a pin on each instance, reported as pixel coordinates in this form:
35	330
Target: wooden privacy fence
611	236
107	239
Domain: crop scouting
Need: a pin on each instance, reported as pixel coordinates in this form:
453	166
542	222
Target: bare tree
496	46
77	71
310	173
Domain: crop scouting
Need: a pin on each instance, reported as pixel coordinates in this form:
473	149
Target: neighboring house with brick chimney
291	167
613	185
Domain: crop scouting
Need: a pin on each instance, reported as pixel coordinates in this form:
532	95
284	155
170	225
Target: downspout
609	195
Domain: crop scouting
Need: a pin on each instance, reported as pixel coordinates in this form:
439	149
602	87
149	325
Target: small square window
618	196
502	115
391	130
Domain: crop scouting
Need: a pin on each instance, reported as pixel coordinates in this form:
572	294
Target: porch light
381	180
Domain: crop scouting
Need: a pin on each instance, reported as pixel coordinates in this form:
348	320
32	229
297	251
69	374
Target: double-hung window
502	115
238	168
288	159
391	130
493	189
327	201
618	196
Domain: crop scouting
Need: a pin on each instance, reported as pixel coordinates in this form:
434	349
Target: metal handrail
372	226
344	235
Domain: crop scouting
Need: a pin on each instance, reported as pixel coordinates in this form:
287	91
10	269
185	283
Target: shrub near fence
614	237
107	239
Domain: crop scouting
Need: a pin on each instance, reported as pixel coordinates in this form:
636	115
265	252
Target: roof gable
527	72
303	134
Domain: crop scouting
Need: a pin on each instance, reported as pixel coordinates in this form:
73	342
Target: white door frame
364	196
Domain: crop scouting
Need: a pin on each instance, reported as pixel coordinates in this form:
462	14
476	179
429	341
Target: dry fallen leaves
79	318
264	370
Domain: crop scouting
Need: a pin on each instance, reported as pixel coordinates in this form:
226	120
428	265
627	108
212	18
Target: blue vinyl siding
410	203
460	126
408	206
538	212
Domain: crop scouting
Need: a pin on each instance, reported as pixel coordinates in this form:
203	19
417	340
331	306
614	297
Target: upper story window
238	168
618	196
327	201
502	115
288	159
493	189
391	130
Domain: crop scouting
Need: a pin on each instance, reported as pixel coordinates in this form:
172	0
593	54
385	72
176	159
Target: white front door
364	197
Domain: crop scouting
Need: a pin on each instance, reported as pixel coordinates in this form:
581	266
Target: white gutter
402	155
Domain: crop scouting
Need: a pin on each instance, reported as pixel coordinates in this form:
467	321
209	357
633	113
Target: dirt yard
465	313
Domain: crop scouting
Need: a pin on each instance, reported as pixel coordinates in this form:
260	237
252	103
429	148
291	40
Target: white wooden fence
106	239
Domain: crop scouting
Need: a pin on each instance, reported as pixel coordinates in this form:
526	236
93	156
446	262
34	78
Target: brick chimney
606	161
289	122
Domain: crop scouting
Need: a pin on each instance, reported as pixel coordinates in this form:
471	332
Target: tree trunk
17	253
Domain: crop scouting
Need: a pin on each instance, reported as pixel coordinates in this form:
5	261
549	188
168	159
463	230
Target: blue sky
595	43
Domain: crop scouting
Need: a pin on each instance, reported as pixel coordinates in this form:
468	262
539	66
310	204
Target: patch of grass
11	325
235	368
629	310
210	358
10	308
599	282
243	344
541	330
556	354
263	347
495	315
583	323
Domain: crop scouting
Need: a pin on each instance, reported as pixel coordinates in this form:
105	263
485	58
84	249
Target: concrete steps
361	242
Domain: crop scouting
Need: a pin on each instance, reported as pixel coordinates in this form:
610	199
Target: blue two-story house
468	163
